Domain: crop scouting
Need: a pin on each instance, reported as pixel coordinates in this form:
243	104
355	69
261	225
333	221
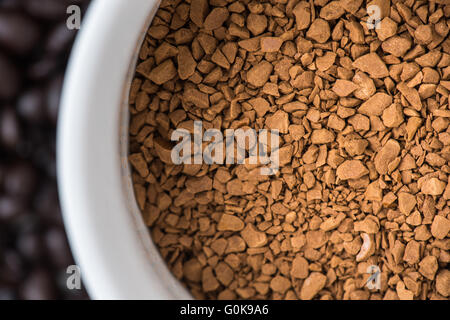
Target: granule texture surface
363	116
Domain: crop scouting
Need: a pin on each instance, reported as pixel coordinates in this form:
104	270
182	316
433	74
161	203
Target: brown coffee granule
363	116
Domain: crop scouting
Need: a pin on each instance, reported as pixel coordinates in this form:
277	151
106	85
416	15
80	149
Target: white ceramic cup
108	237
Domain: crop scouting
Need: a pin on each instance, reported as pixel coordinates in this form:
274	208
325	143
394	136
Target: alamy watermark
233	147
374	12
73	281
73	22
374	281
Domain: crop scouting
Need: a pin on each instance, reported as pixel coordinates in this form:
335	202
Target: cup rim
106	232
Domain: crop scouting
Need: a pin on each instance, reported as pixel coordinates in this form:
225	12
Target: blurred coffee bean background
35	44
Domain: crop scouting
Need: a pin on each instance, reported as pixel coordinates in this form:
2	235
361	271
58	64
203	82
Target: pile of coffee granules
363	116
34	46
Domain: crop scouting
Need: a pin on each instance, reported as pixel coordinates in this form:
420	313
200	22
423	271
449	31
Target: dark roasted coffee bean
34	252
30	105
47	9
30	245
12	270
9	79
10	207
20	179
10	4
9	128
18	33
43	69
38	286
57	246
59	39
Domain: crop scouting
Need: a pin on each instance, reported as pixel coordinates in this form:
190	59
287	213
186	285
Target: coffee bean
43	68
9	79
46	9
59	39
20	179
38	286
30	105
10	4
10	130
29	243
34	47
57	246
10	207
18	33
12	270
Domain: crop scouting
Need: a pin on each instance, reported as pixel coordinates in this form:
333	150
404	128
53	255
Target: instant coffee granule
362	109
